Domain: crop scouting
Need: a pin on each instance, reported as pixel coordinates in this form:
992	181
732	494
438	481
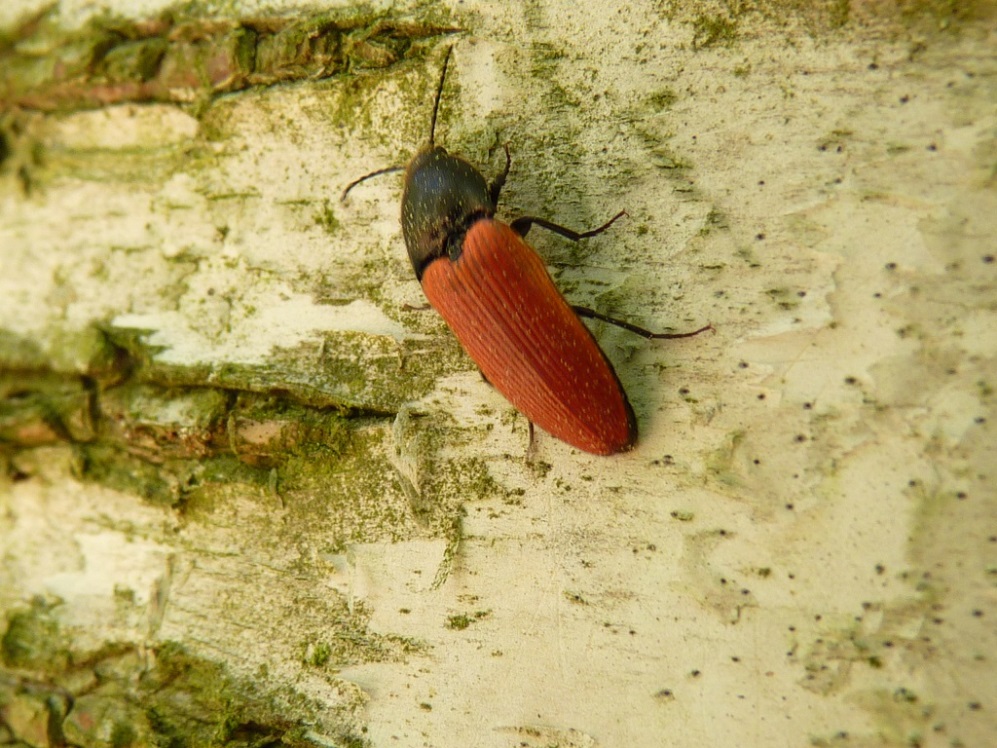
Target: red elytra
505	310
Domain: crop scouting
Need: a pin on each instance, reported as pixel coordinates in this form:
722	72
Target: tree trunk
252	491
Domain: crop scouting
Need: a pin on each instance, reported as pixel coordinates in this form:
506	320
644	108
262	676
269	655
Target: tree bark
252	491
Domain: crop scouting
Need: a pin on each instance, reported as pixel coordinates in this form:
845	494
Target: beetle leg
523	224
531	448
583	311
499	182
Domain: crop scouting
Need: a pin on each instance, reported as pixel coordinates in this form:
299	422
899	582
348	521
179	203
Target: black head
443	196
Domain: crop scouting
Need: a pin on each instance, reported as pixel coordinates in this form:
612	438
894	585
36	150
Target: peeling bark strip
119	423
160	436
162	439
175	58
55	696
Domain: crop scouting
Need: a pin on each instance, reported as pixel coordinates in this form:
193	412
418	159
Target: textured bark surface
251	492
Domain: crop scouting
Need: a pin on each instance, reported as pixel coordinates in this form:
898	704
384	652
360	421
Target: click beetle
495	293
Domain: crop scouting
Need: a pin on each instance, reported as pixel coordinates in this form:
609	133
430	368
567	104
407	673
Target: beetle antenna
439	93
432	132
365	177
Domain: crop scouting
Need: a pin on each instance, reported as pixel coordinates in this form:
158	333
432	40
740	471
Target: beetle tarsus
499	182
676	335
523	224
584	311
531	448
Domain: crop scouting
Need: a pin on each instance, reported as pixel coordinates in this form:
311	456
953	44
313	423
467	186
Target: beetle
496	295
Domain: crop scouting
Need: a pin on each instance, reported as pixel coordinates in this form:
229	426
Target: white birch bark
302	481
